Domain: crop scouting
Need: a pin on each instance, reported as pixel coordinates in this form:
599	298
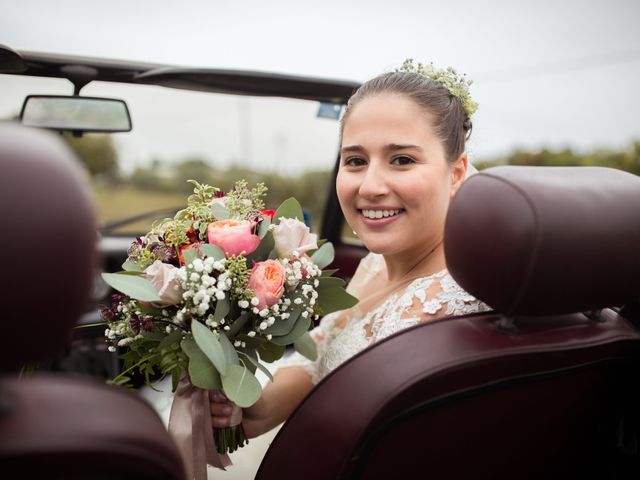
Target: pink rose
164	278
291	234
267	282
233	237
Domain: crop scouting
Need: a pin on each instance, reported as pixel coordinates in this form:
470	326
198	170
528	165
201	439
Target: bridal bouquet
208	296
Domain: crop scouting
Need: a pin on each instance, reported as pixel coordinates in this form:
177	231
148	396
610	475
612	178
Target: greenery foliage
627	159
97	153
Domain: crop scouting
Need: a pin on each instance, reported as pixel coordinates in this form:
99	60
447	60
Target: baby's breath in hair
458	85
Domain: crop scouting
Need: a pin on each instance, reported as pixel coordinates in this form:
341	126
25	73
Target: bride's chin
383	248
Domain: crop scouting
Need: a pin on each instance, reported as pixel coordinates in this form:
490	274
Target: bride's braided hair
452	125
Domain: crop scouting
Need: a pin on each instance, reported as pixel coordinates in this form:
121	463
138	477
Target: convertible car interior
543	386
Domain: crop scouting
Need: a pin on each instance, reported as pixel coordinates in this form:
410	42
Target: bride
402	159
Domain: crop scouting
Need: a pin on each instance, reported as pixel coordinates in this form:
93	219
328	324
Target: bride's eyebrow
392	147
352	148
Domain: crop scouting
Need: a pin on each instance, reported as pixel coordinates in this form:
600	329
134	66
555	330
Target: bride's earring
355	233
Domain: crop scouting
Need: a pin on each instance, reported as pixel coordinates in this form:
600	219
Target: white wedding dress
341	335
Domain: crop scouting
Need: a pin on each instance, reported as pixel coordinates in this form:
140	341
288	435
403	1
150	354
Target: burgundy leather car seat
59	426
536	389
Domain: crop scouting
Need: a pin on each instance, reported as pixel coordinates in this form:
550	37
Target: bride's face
394	182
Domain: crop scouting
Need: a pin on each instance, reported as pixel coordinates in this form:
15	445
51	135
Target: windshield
213	138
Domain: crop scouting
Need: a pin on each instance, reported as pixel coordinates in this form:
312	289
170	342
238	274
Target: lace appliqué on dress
435	295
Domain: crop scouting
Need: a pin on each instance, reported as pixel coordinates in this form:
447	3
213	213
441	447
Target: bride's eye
353	162
403	160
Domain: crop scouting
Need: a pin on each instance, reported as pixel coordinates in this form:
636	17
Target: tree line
627	159
99	155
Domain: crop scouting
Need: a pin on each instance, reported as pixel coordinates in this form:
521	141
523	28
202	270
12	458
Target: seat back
57	426
544	391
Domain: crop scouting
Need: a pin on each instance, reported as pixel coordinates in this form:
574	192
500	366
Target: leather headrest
546	240
48	244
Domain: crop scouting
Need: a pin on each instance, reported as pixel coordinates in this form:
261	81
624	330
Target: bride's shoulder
439	294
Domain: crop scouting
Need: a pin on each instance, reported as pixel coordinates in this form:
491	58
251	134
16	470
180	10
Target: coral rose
233	237
267	282
291	234
164	278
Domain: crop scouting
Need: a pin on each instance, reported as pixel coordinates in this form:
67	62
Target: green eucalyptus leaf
238	323
332	296
257	364
222	309
262	252
210	345
331	282
270	352
329	273
305	345
290	208
263	228
152	336
324	255
175	379
211	250
201	371
301	326
282	327
132	286
219	212
229	350
189	255
131	266
170	339
241	386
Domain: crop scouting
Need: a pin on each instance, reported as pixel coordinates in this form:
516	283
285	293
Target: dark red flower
106	313
134	323
191	235
147	323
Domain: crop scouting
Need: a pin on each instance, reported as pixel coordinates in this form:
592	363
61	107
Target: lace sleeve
424	299
330	325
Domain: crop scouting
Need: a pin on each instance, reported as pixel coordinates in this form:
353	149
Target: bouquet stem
229	439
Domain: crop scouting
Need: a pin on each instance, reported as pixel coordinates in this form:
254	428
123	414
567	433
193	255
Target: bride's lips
380	222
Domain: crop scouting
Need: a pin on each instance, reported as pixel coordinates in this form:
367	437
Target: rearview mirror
76	114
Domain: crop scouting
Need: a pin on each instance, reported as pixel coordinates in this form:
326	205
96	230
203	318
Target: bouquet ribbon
190	426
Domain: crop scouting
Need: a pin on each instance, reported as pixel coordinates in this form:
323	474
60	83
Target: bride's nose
374	183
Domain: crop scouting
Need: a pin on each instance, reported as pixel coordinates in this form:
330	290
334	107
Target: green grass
113	203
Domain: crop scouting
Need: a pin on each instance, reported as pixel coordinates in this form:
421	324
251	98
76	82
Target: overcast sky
547	73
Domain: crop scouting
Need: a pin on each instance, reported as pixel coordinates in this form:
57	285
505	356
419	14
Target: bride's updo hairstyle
442	93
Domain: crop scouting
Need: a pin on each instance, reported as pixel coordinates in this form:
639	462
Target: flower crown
457	85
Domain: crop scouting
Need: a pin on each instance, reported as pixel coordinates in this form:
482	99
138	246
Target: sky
547	74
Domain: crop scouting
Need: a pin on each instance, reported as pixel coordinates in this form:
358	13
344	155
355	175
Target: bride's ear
458	170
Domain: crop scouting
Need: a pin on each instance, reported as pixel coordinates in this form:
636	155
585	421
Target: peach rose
267	282
233	237
164	278
291	234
